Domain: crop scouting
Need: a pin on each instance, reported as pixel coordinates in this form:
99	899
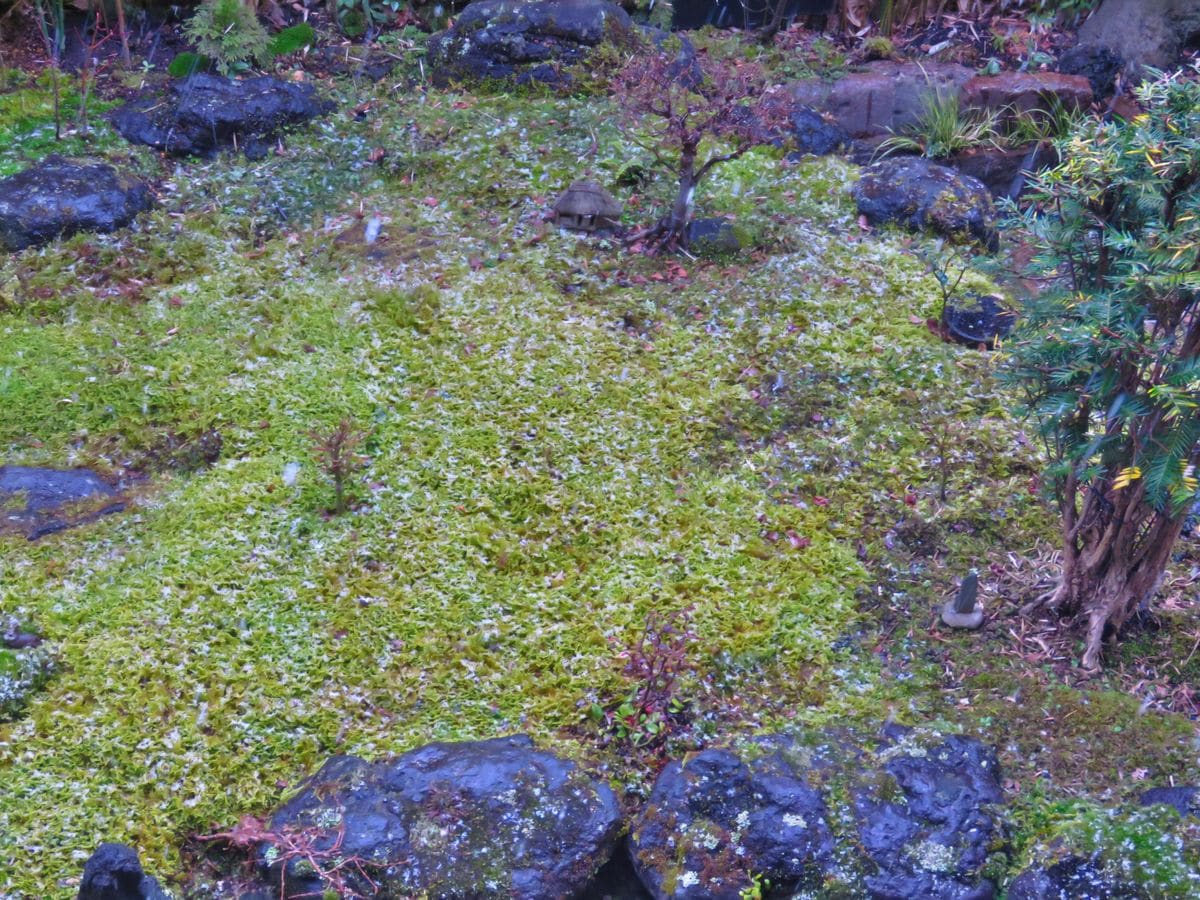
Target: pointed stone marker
962	612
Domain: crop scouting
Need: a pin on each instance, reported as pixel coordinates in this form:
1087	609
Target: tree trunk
122	32
1112	568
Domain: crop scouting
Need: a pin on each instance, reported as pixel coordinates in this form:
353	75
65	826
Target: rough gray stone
1143	32
921	819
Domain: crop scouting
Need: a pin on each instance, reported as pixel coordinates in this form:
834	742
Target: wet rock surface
475	819
920	819
114	872
1002	171
715	821
929	823
816	135
524	41
39	501
920	195
1025	92
207	113
1073	878
59	197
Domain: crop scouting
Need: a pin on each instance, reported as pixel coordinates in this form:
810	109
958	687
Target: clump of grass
944	129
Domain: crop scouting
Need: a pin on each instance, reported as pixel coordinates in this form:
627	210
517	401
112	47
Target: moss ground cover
562	438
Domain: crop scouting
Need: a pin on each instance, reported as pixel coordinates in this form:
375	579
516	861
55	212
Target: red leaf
798	541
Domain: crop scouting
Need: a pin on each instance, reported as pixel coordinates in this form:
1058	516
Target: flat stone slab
204	114
38	501
59	197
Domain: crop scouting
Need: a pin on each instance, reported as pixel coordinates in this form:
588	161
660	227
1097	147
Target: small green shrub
229	33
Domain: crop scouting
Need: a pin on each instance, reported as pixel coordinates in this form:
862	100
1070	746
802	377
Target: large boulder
206	113
1143	32
59	197
39	501
887	96
524	41
910	817
915	193
114	872
478	819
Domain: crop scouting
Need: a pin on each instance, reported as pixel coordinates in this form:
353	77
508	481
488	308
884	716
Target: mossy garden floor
563	437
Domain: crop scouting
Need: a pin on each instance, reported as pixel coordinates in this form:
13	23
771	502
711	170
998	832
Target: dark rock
114	872
886	97
1002	171
1073	878
978	319
207	113
59	197
53	499
918	194
477	819
1022	92
816	135
1143	32
712	237
524	41
920	822
1185	799
715	820
1099	65
616	880
929	825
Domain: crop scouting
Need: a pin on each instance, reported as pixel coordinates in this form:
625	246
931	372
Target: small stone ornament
962	611
587	207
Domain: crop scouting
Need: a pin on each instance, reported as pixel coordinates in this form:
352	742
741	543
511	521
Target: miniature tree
696	115
1110	359
336	452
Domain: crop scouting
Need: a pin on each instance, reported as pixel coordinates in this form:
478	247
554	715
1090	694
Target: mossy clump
1148	847
23	672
